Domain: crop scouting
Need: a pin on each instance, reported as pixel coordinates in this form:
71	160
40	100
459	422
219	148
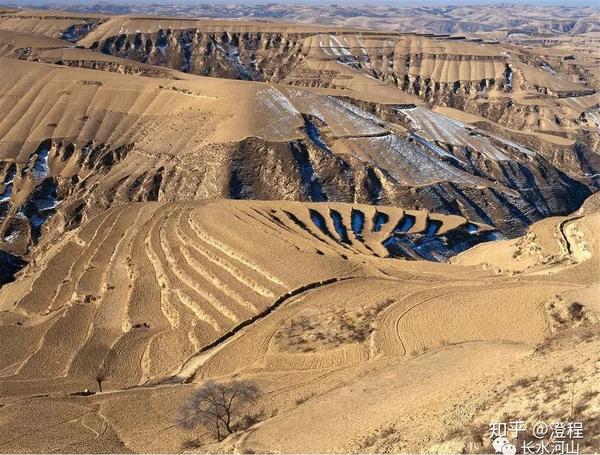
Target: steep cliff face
51	184
511	100
256	56
515	88
77	31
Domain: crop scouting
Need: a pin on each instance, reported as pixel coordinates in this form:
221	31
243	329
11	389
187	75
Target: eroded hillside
507	84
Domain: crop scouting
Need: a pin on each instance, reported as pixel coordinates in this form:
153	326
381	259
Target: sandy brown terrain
394	235
142	288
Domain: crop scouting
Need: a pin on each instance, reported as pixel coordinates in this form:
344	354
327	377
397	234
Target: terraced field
157	295
203	271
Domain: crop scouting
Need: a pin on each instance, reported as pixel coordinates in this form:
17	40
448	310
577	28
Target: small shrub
190	444
524	382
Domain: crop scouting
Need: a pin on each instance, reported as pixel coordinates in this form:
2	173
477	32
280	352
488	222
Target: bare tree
100	375
217	406
96	364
